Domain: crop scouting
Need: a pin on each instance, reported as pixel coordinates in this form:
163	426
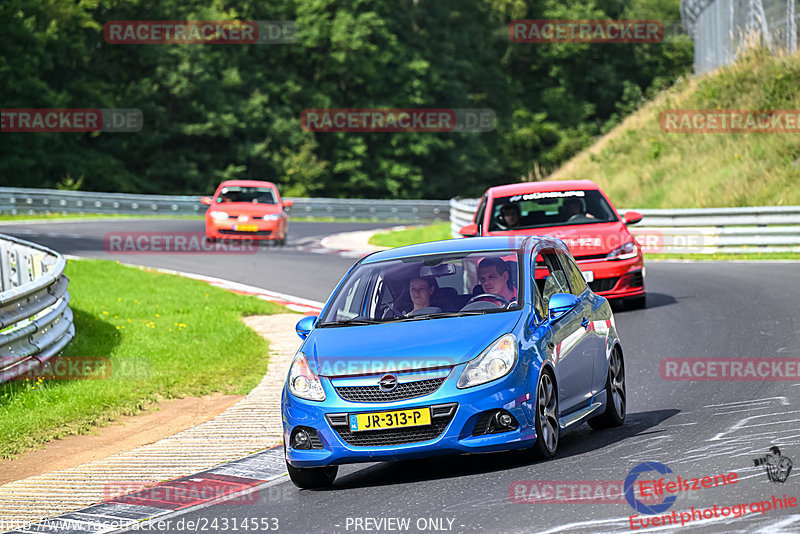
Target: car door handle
585	323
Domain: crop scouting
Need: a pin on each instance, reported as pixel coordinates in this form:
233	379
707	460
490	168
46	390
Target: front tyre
312	477
616	396
546	420
636	303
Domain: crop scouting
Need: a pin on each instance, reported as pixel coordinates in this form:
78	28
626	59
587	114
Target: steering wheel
502	300
390	306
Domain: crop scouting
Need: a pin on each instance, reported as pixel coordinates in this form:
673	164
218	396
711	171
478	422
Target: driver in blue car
493	277
421	290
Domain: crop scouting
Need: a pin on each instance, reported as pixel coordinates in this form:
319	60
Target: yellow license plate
245	228
388	420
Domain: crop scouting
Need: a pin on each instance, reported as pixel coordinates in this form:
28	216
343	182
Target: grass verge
410	236
165	337
638	164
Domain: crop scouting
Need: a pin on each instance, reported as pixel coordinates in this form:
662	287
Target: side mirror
561	303
288	203
305	325
470	230
206	200
632	217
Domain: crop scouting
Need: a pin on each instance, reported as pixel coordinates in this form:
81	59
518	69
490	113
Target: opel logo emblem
388	383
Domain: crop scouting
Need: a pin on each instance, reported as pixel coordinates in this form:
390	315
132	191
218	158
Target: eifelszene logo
777	466
629	489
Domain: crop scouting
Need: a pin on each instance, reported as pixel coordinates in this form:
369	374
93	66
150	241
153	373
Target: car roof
246	183
541	187
471	244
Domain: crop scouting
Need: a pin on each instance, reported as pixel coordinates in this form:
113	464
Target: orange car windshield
252	195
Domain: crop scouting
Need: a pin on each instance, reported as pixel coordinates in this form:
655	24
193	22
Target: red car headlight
218	215
625	252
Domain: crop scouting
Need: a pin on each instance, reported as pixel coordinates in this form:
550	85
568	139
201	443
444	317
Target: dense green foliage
215	112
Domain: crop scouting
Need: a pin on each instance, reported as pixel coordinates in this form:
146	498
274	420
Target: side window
353	300
550	277
576	280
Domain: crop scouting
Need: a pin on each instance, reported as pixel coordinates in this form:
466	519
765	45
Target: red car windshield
550	208
254	195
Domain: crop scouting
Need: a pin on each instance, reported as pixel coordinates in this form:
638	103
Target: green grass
165	336
641	166
410	236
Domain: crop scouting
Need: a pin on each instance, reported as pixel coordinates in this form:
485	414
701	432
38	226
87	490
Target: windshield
552	208
427	287
255	195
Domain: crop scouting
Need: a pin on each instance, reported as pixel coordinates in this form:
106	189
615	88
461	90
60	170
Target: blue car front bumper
512	393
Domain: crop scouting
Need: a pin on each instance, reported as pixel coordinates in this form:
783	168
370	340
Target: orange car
247	209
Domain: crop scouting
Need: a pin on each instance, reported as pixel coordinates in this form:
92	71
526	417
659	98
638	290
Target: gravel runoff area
252	424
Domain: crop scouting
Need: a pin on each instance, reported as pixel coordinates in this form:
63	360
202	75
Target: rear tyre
546	420
312	477
616	396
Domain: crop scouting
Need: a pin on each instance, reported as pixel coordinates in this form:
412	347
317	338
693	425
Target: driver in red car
493	276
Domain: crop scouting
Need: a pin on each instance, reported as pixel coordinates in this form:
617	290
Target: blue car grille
407	390
394	436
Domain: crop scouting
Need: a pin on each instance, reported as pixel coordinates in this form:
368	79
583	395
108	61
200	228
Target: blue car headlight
303	382
496	361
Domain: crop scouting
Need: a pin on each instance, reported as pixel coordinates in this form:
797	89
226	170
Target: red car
247	209
580	214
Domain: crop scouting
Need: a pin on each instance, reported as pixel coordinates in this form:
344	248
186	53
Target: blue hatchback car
462	346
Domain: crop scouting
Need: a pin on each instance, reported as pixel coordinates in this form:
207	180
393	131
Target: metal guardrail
35	319
696	231
31	201
721	29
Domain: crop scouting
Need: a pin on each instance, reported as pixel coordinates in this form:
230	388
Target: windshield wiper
355	321
445	314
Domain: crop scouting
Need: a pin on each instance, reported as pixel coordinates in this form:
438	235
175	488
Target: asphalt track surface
697	429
